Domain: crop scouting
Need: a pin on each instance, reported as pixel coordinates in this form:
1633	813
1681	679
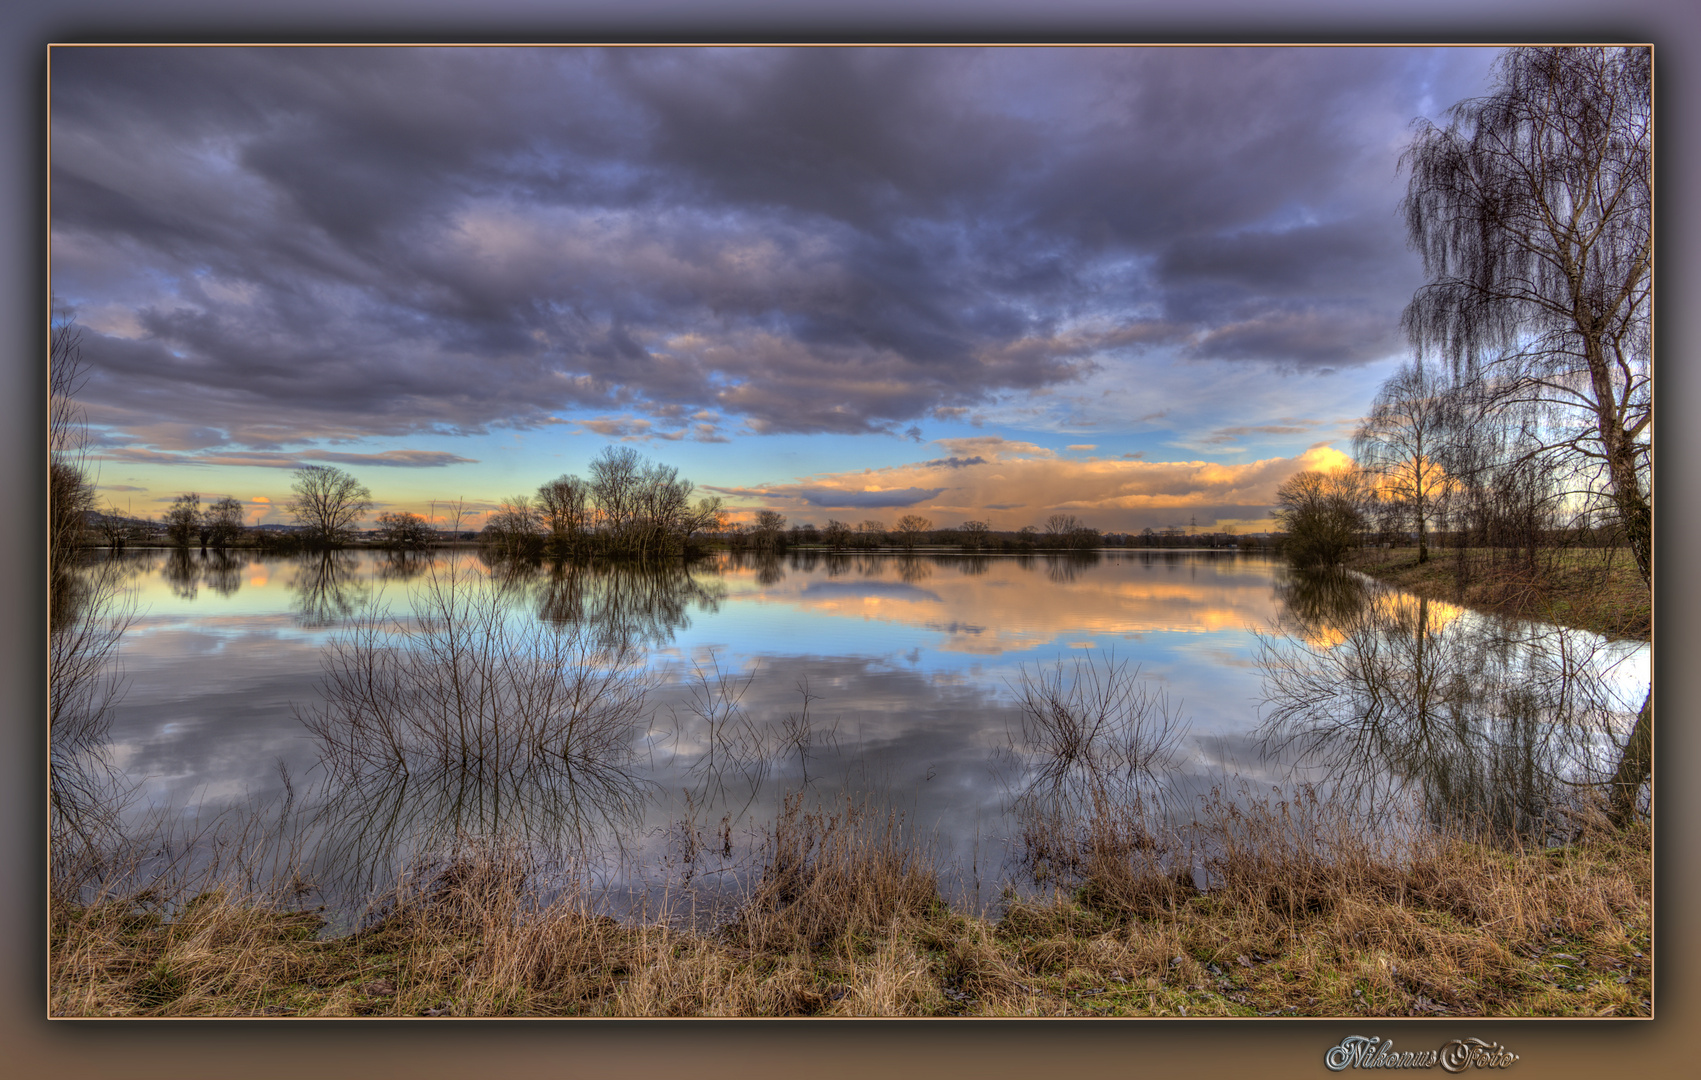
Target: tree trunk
1634	509
1634	767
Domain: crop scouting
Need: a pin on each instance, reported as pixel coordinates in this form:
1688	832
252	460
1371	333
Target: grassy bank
1586	588
845	919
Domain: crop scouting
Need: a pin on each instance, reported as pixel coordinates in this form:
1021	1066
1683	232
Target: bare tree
616	474
183	520
662	503
1059	526
1533	211
837	534
89	610
223	521
114	527
768	526
975	534
1401	441
514	529
328	502
1069	531
403	530
628	507
709	515
71	495
566	508
910	529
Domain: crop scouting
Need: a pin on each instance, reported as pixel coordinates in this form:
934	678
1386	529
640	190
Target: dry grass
1301	916
827	876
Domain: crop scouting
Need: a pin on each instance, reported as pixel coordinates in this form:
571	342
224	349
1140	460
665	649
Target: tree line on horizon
627	507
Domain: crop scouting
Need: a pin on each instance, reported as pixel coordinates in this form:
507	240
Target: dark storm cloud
273	246
860	500
835	498
1289	426
403	459
953	462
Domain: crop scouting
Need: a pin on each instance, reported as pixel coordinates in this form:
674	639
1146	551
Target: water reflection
182	574
992	605
466	726
843	672
1061	569
328	588
914	568
222	572
90	611
405	565
1501	728
769	568
1088	763
621	604
1315	606
186	570
968	565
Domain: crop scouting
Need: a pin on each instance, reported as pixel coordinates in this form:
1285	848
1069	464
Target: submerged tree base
859	929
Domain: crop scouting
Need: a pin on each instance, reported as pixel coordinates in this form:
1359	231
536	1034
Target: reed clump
827	874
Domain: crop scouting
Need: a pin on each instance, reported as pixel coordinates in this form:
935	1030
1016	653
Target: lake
319	680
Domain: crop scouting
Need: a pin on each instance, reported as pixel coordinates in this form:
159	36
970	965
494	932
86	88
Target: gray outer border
35	1047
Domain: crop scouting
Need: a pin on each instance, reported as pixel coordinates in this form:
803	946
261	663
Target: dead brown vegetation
1301	914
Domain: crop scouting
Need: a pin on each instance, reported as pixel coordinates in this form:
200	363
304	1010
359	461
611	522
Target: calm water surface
881	674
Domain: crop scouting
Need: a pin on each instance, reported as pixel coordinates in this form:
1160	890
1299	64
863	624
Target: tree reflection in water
327	588
468	725
404	565
967	565
622	604
185	571
86	791
1062	569
222	572
182	573
770	568
1501	729
914	569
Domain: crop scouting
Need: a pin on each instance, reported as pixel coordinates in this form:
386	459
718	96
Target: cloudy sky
1138	285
